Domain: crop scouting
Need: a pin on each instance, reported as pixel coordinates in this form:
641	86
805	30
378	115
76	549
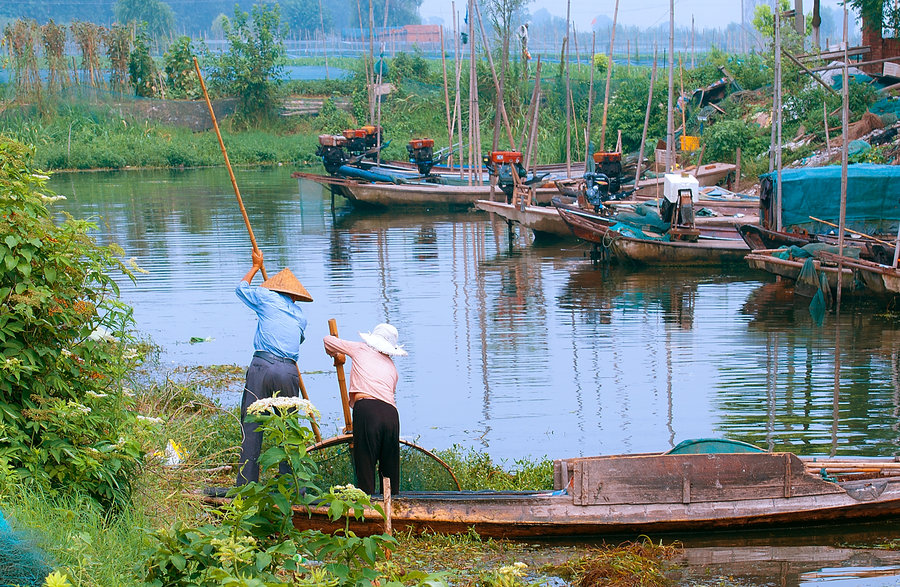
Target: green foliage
724	137
141	67
601	62
251	67
331	119
410	67
255	542
476	471
630	105
304	15
63	346
181	76
155	15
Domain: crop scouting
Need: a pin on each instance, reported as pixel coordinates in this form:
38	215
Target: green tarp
873	197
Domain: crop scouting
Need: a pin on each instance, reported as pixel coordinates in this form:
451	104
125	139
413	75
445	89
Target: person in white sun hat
376	422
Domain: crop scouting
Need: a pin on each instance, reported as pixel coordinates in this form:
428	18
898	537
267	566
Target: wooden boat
651	493
877	278
765	260
705	251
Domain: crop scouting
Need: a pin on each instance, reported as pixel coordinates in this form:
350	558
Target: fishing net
21	562
418	470
808	281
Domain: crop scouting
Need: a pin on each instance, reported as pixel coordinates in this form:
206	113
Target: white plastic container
676	183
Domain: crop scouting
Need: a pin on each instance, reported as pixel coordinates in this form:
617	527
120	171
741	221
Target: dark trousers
266	375
376	439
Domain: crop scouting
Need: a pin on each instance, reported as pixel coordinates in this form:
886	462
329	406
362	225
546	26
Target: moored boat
790	268
651	493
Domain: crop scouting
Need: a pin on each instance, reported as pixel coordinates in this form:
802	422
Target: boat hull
790	269
543	220
643	494
706	251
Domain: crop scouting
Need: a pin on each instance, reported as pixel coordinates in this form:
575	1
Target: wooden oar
237	193
339	360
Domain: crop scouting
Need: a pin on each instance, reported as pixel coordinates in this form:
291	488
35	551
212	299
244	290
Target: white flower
516	569
150	419
95	395
349	492
78	408
284	404
127	391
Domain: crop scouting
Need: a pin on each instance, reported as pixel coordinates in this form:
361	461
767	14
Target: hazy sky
706	13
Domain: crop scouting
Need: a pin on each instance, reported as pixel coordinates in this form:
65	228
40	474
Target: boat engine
421	152
677	205
609	164
373	137
596	189
503	164
332	151
356	141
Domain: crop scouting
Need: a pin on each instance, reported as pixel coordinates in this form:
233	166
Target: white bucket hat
383	339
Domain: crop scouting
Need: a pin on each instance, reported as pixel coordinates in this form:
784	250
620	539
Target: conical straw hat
285	282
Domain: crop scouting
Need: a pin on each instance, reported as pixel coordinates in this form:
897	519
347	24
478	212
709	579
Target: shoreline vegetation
105	455
89	121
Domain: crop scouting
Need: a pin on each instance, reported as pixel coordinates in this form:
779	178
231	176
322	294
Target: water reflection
524	350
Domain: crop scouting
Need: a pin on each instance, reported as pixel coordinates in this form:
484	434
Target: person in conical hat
376	422
273	369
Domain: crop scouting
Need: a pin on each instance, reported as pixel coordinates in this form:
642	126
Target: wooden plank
664	479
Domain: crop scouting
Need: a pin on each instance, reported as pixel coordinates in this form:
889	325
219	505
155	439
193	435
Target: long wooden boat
765	260
705	251
878	279
419	194
650	493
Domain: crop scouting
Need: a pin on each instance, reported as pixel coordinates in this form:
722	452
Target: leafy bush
723	138
63	347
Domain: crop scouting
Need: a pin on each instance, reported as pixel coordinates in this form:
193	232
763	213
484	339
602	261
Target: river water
519	349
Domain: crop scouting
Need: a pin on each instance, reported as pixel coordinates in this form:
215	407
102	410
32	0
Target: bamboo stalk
447	100
862	234
587	126
568	92
512	142
640	160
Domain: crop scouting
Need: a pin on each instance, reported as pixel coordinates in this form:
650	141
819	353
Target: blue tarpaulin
873	197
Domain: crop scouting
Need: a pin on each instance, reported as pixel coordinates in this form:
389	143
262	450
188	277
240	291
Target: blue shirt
281	321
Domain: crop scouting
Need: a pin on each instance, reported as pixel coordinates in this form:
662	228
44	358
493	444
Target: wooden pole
372	56
536	104
388	526
324	40
447	100
509	135
237	192
640	160
587	126
609	68
681	101
827	137
737	171
860	234
778	116
457	101
670	124
339	360
568	92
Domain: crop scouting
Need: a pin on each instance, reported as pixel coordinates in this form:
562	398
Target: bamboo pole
324	40
339	360
777	120
237	194
587	126
737	171
609	68
640	160
536	102
447	100
862	234
509	135
457	103
568	92
372	56
670	124
845	116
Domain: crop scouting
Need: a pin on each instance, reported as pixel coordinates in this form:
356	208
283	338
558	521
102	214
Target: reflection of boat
790	268
687	489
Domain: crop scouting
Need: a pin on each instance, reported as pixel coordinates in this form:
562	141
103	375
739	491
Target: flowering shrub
63	419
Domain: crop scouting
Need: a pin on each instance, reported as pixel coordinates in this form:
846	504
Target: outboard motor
356	141
501	164
609	164
373	137
421	152
332	151
596	189
680	191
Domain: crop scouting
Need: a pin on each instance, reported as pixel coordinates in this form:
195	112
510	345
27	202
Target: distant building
882	44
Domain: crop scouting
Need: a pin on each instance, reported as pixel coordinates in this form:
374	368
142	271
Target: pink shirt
371	372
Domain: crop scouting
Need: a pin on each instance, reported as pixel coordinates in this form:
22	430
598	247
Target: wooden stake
587	126
457	103
568	92
447	99
637	173
339	360
324	40
388	527
509	135
737	171
609	67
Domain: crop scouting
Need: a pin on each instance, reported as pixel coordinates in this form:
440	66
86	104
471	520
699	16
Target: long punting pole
609	68
372	56
587	126
531	146
640	159
237	194
845	117
670	124
473	93
342	380
568	92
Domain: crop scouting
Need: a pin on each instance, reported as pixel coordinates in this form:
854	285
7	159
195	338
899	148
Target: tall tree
158	16
303	15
